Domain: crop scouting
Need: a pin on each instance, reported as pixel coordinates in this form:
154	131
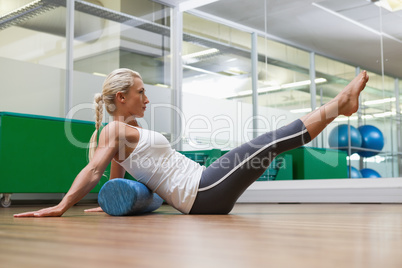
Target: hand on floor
46	212
98	209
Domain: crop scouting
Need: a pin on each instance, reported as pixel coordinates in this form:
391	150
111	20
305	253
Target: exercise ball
369	173
355	173
338	137
372	138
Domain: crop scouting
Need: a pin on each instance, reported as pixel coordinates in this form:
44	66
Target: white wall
31	88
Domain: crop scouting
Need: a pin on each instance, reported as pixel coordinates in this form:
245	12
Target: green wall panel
36	155
318	163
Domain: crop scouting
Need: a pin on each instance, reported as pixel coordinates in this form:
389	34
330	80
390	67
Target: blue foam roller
122	197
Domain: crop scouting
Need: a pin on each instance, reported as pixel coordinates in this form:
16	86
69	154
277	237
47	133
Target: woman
184	184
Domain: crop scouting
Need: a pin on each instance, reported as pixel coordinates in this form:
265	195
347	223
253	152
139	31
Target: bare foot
348	98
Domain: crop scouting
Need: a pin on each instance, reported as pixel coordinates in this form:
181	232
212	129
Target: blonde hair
120	80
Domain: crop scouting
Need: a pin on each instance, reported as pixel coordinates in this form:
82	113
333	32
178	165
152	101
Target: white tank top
165	171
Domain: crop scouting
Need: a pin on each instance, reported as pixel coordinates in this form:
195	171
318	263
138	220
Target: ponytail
93	143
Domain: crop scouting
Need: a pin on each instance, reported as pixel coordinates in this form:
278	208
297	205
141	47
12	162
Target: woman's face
136	100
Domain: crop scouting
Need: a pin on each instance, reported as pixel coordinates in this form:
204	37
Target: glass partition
32	57
377	114
123	34
283	83
107	35
216	69
119	34
398	119
217	78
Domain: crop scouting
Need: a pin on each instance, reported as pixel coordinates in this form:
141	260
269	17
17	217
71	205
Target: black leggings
224	181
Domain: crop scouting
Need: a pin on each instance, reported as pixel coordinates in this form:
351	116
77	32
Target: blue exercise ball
369	173
338	137
372	138
355	173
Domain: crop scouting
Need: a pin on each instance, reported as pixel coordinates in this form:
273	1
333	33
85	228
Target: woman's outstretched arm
116	171
89	177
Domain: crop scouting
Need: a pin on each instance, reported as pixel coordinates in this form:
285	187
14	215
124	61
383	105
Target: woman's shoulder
120	130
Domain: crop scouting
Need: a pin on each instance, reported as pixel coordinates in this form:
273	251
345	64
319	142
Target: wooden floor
253	235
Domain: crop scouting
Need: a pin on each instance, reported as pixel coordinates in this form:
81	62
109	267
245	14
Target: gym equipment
279	169
28	142
318	163
5	200
372	138
338	138
123	197
355	173
369	173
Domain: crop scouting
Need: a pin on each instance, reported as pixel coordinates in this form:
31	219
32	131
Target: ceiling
346	30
